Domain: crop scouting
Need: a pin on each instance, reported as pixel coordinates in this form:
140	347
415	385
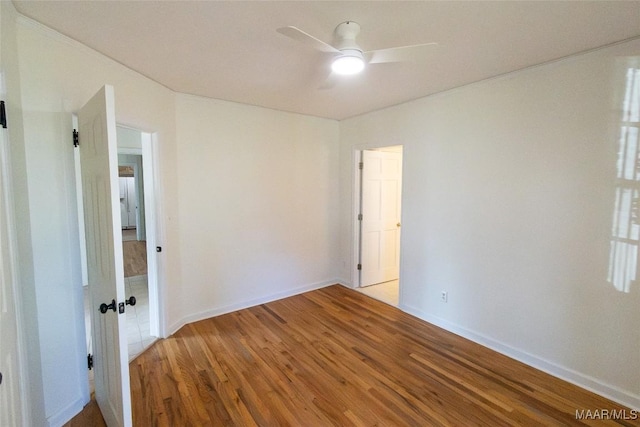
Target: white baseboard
344	283
592	384
246	304
67	413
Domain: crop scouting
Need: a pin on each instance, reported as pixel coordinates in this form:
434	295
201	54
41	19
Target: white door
105	271
10	386
380	224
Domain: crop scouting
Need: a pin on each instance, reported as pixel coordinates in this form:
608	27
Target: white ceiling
230	50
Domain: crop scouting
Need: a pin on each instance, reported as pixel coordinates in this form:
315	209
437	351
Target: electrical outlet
444	296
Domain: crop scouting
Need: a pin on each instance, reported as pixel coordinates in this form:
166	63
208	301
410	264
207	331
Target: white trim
151	206
581	380
84	385
355	209
80	205
247	304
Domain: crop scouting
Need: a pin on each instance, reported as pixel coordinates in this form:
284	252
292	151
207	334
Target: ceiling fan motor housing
345	36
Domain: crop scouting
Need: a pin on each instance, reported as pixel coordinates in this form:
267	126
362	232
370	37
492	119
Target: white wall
129	139
25	292
58	76
508	201
258	204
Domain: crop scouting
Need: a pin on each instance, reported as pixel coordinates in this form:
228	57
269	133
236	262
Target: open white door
105	271
380	224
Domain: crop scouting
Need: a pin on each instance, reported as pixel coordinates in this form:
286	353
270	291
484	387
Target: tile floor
139	336
388	292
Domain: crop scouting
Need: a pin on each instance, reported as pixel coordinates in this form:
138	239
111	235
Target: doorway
134	248
138	219
135	170
378	186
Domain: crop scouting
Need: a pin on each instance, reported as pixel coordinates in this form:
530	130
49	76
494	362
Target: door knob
398	225
104	307
131	300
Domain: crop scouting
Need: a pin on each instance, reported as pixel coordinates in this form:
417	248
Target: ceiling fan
349	58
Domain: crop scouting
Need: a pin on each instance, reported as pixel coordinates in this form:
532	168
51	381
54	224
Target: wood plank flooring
337	357
134	254
90	416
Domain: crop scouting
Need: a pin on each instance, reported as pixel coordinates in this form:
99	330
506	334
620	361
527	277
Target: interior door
105	271
380	224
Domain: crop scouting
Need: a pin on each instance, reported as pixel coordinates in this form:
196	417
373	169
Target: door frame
153	211
152	226
356	209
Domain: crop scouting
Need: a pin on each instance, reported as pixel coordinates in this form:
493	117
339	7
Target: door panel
101	203
380	225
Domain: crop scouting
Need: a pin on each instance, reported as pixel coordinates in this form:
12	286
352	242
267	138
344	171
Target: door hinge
359	266
90	361
3	115
361	165
359	217
76	139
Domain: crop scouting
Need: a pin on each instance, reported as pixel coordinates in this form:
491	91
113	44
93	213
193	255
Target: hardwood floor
90	416
135	258
337	357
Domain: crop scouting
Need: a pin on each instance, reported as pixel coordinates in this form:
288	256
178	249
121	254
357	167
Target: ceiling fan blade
299	35
397	54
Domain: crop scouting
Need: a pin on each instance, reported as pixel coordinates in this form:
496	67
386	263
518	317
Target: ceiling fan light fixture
350	62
